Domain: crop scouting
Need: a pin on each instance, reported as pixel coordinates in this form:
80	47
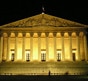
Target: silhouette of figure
49	72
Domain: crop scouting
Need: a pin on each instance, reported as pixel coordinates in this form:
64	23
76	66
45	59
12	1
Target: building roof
42	20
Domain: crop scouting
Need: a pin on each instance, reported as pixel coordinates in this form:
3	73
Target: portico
55	46
43	38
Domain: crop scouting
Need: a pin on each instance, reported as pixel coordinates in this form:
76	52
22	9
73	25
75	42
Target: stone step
35	68
44	64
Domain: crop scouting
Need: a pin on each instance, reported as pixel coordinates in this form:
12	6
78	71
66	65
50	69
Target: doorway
43	55
12	55
59	55
27	55
74	54
74	58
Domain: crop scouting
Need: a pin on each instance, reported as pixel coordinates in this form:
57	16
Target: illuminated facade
43	38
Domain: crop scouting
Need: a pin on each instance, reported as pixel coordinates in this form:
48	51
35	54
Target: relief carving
45	20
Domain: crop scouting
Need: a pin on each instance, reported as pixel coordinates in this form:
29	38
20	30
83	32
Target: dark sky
13	10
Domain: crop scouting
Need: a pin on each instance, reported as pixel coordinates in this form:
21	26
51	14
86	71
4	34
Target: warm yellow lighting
12	51
12	35
51	49
27	51
19	57
58	35
58	51
42	34
60	54
73	51
43	51
35	48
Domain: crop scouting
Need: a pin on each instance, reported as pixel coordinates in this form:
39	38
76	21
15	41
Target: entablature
45	29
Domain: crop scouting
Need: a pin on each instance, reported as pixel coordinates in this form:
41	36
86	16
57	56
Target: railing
43	74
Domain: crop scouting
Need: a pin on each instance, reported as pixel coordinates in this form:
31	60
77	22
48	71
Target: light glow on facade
43	43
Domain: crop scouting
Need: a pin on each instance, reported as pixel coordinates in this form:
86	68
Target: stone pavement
43	78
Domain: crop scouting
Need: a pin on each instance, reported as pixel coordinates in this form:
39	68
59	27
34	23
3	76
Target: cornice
44	29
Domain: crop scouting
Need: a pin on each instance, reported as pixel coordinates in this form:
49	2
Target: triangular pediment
43	20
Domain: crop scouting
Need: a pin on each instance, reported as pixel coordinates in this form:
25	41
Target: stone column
63	55
23	47
1	46
70	46
8	47
31	46
55	57
85	47
78	46
39	46
47	50
16	37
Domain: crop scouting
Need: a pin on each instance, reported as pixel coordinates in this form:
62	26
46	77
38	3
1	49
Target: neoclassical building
43	39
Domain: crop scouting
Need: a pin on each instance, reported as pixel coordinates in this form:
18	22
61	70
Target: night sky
13	10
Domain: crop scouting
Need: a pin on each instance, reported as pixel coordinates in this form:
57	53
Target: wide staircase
44	68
